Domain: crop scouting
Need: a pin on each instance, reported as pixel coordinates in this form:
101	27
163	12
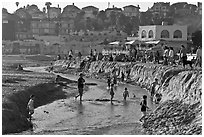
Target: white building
171	35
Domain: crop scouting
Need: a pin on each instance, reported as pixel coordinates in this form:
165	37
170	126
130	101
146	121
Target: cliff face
181	93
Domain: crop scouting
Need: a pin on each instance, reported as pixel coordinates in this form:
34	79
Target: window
165	34
177	34
150	34
144	34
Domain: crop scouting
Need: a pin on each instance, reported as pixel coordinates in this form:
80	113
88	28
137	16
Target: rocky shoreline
180	110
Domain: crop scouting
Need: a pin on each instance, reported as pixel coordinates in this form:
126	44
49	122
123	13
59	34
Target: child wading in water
30	106
112	93
143	106
125	94
109	83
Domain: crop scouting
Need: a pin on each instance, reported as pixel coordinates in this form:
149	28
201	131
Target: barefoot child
125	94
81	83
30	106
112	93
144	106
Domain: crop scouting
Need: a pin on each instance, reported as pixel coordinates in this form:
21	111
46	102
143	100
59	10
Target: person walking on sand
125	94
144	107
30	107
81	82
112	93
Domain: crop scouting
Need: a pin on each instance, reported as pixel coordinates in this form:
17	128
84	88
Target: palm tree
17	3
48	7
48	4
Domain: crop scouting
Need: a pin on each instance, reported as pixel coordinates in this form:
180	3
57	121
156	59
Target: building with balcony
160	9
90	12
131	11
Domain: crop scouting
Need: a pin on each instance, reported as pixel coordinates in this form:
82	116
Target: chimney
113	6
73	4
58	6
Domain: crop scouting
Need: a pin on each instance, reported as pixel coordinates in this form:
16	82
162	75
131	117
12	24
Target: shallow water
95	115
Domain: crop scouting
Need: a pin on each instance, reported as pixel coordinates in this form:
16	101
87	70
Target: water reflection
80	108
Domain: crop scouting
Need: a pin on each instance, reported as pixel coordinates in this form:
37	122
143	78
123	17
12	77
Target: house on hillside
114	9
183	9
131	11
8	25
53	12
66	26
43	27
32	9
70	11
160	9
170	35
23	24
90	12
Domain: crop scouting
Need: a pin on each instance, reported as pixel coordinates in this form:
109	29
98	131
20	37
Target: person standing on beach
153	87
109	82
144	106
171	56
30	106
125	94
183	55
81	83
112	93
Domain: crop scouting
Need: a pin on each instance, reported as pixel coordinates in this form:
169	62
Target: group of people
169	56
112	84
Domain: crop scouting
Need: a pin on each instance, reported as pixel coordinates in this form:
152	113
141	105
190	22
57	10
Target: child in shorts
125	94
144	106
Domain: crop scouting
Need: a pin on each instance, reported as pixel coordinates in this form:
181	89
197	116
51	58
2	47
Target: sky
101	4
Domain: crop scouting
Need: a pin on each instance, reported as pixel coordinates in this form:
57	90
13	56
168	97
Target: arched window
177	34
165	34
150	34
144	34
